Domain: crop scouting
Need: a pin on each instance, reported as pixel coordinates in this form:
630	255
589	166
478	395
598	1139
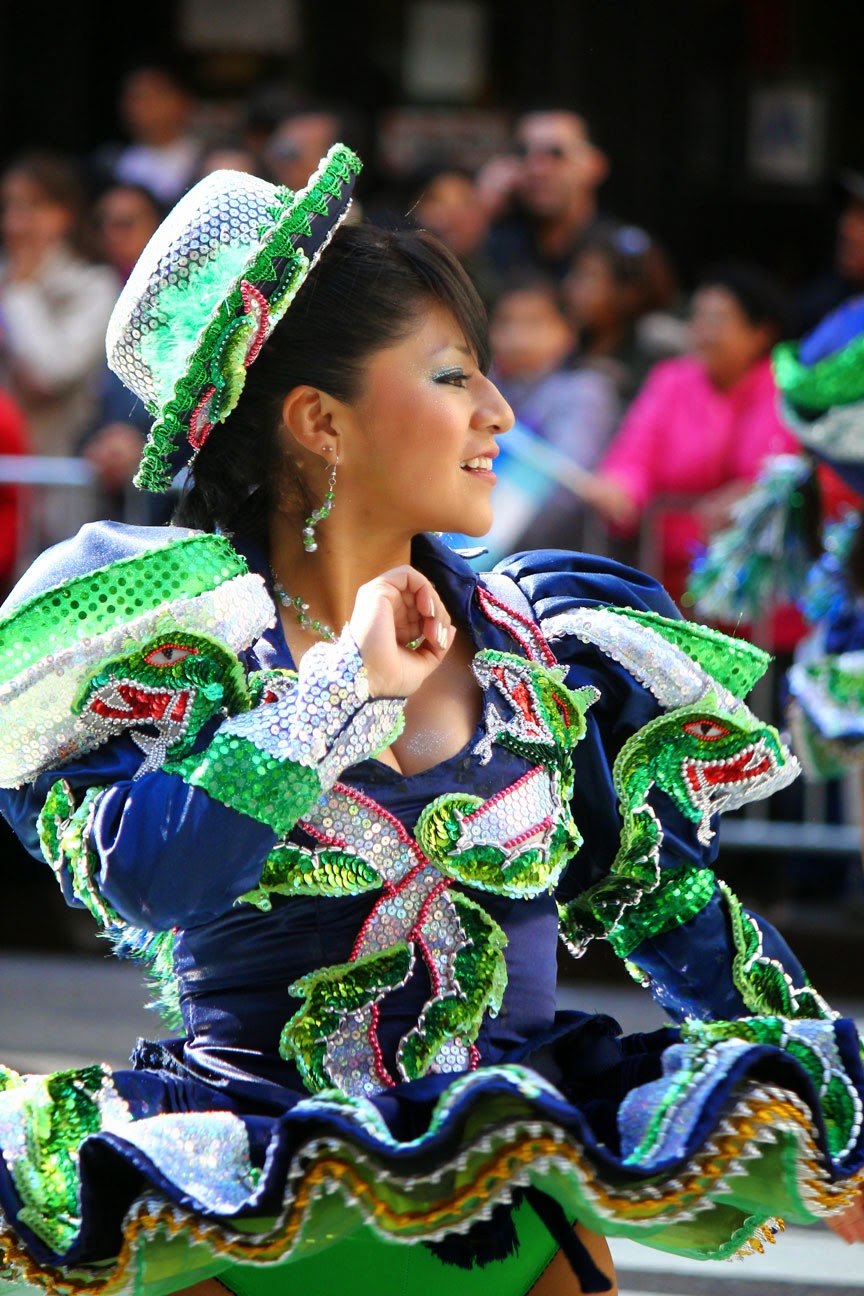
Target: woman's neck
328	578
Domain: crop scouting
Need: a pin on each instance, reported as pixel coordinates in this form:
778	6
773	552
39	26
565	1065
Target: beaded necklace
301	611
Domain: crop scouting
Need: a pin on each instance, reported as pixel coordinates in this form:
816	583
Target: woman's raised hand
392	611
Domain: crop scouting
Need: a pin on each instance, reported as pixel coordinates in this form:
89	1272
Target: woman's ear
310	418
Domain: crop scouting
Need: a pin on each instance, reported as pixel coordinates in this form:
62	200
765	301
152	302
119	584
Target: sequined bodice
387	911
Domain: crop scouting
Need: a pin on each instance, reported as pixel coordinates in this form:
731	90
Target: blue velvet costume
217	1130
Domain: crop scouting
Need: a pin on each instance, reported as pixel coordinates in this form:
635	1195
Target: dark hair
762	298
636	261
534	282
157	207
365	294
61	182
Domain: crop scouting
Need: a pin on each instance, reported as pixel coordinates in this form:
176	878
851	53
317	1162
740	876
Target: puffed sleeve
177	845
669	744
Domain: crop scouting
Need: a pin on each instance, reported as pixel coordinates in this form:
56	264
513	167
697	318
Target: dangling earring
319	514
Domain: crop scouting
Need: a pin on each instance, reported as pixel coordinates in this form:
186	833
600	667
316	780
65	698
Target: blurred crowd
662	403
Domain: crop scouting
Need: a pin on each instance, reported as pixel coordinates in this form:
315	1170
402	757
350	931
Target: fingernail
442	636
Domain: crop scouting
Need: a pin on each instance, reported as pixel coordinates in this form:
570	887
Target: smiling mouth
482	463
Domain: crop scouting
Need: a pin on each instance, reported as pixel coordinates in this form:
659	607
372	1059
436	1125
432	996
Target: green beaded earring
319	514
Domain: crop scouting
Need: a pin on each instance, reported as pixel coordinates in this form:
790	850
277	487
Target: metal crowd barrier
58	495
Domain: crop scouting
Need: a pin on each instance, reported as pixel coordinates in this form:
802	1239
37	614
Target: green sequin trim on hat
210	387
90	605
836	380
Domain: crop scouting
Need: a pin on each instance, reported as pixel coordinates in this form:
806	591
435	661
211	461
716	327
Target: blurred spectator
156	109
619	293
576	411
54	302
12	442
847	276
126	216
553	182
113	445
302	137
231	153
447	205
702	424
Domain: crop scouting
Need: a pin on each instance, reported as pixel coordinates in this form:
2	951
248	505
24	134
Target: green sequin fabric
763	983
709	753
838	379
99	601
680	894
41	1133
101	653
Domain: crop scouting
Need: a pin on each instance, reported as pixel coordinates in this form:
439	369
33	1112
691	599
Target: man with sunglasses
553	183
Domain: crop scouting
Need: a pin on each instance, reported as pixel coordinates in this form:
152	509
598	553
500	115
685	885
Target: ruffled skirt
696	1140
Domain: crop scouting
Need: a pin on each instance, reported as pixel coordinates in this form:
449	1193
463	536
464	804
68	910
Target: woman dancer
348	852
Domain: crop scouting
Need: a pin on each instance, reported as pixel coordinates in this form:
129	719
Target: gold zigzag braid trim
521	1153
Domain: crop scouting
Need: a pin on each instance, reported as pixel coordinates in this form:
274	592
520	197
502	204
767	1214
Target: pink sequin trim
199	428
531	641
256	305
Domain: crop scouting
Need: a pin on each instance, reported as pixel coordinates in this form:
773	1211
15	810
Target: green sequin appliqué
58	1112
173	684
336	1010
515	844
706	758
64	832
679	895
238	773
480	975
295	870
763	983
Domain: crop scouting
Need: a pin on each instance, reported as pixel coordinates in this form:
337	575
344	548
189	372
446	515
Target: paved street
60	1012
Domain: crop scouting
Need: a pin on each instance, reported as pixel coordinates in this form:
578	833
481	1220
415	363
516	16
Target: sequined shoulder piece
676	660
125	630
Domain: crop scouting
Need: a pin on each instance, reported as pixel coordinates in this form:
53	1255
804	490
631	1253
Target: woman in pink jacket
703	423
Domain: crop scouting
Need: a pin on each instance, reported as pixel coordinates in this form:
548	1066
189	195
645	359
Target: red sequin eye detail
169	654
709	730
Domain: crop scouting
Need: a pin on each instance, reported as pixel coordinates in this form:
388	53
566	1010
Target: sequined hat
103	593
208	290
821	382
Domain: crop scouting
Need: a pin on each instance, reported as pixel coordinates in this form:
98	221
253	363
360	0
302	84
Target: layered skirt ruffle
697	1141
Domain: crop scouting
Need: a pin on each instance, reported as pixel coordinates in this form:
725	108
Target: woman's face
724	337
529	334
591	292
418	442
30	218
